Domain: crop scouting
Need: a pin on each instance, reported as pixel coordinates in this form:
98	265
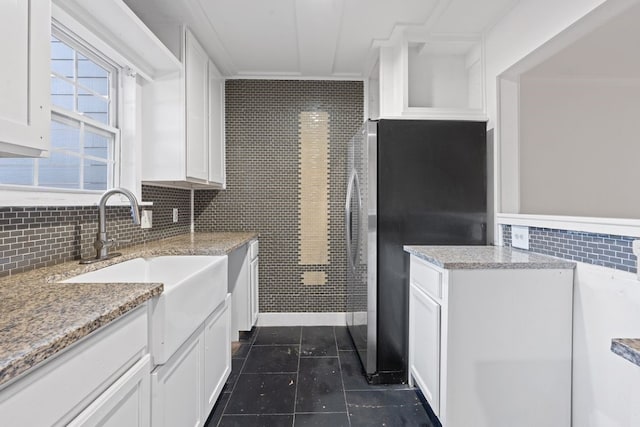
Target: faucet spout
102	243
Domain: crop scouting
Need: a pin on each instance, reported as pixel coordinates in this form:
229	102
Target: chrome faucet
102	243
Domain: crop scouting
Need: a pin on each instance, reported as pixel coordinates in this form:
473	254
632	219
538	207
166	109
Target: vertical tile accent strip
313	189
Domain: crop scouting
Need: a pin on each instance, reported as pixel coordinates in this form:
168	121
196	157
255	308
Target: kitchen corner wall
268	186
34	237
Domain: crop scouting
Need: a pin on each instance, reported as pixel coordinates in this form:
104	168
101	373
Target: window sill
26	197
615	226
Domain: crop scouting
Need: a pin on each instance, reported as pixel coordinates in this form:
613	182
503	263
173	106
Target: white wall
436	80
606	388
579	147
526	27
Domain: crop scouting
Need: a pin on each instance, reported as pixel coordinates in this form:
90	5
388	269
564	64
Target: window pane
96	84
93	106
59	50
61	93
95	175
65	136
96	144
60	170
88	68
64	67
16	171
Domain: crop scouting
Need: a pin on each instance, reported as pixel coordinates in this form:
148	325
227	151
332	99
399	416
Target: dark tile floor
309	376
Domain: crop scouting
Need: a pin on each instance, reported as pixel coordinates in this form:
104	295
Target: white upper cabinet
196	85
217	172
25	27
429	78
183	123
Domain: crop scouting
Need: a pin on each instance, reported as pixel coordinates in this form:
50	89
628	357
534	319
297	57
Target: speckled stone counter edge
485	257
629	348
30	354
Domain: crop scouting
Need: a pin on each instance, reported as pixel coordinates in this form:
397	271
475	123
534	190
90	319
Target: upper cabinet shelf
116	24
432	78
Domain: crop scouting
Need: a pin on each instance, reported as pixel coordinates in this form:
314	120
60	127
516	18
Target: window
84	133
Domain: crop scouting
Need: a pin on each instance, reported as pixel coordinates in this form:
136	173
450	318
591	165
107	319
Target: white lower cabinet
424	341
184	389
127	403
492	347
101	380
243	286
217	355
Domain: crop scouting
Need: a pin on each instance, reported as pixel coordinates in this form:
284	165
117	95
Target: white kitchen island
490	335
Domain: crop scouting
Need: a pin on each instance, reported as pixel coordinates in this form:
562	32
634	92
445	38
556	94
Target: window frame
79	37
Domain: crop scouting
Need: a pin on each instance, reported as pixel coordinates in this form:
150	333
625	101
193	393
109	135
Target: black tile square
272	359
320	386
236	366
352	371
373	398
396	416
321	420
217	411
263	394
256	421
353	376
239	350
276	335
343	338
318	341
248	336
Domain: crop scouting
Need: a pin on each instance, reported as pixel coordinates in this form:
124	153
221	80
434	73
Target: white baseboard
302	319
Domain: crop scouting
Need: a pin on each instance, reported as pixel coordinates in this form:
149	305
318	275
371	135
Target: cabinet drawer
426	278
65	385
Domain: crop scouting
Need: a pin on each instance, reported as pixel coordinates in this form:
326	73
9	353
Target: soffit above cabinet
309	38
116	25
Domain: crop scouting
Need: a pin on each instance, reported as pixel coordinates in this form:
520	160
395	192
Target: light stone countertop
39	317
486	257
629	348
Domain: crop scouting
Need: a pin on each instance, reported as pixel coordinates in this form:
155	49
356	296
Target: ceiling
311	38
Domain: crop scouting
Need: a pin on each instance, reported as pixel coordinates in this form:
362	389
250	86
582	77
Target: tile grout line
295	395
237	379
344	392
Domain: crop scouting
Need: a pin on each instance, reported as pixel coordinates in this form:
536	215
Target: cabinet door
217	354
254	291
25	113
196	98
127	403
424	345
176	387
216	127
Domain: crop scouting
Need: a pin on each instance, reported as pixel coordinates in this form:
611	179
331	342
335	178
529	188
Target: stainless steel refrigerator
410	182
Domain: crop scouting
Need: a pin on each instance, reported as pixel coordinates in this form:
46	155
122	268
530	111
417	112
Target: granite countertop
39	317
486	257
629	348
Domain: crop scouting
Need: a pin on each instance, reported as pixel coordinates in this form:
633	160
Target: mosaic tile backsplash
34	237
263	151
599	249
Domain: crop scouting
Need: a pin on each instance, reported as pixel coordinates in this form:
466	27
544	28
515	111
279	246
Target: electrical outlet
146	219
520	237
175	214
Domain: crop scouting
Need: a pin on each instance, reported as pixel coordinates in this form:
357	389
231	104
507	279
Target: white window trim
127	140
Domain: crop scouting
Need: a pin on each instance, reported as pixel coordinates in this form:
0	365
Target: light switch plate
175	214
146	219
520	237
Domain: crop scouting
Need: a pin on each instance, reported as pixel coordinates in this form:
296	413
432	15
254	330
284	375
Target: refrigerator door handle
353	183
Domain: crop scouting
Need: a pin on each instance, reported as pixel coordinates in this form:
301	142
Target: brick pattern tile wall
599	249
34	237
262	150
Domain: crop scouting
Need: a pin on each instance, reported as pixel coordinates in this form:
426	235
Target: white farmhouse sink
193	287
